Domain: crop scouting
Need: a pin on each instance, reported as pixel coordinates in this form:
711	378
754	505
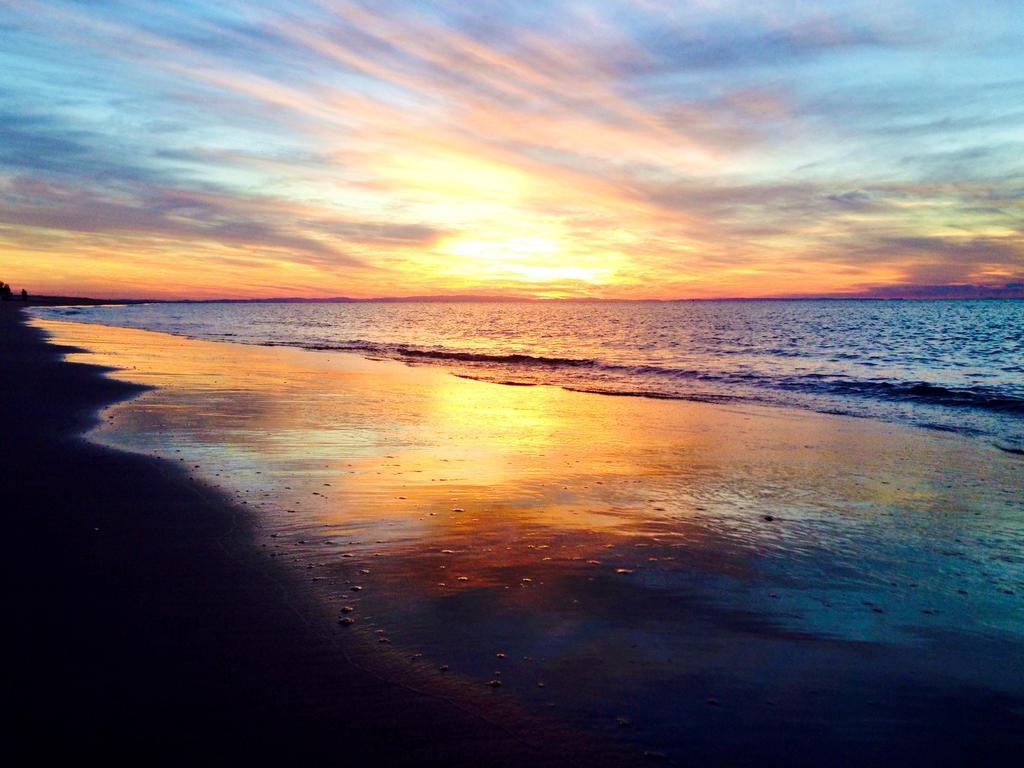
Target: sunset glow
613	149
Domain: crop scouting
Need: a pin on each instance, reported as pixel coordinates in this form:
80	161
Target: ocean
948	365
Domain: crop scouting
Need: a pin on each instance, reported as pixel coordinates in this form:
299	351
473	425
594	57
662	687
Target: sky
633	149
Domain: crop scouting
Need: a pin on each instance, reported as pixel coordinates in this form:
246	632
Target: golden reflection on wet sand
567	530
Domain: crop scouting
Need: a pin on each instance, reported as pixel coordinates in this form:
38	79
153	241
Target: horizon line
1013	294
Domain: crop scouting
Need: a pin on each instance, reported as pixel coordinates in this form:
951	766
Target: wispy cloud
613	148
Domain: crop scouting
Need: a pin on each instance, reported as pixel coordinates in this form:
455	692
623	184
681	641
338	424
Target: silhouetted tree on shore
5	291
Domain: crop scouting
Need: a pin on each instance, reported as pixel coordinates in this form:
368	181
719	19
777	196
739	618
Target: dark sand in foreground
163	637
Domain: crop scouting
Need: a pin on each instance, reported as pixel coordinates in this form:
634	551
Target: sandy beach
359	557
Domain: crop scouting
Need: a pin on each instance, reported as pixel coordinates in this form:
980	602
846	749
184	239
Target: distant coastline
1012	291
60	301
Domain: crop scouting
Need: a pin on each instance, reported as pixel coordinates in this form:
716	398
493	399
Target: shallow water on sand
690	579
951	365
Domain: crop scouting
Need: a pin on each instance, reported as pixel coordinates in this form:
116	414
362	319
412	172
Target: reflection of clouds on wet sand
637	558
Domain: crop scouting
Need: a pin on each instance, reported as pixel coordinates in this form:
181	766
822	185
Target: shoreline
169	636
237	409
947	403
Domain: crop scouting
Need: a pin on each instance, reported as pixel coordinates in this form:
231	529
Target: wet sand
148	628
688	581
